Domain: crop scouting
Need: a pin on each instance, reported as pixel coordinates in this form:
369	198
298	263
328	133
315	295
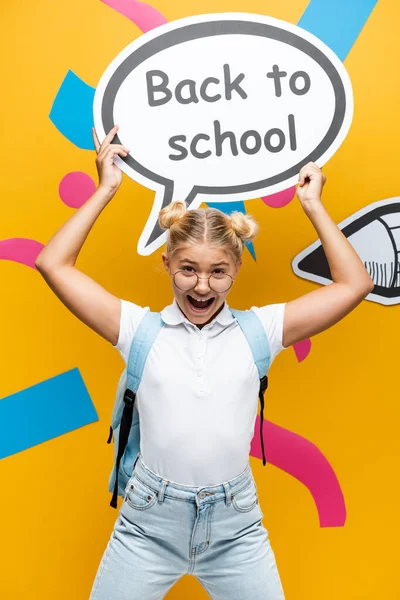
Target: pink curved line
20	250
302	349
143	15
280	199
303	460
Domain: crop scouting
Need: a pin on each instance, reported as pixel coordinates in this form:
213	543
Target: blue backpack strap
143	339
145	335
257	339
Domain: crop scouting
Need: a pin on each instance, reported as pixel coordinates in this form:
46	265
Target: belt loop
162	490
228	494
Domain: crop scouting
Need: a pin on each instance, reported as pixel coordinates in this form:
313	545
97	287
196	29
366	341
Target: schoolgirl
191	504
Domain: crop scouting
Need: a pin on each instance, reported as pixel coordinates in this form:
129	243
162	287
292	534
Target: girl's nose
202	285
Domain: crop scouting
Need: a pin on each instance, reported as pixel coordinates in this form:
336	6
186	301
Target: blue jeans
165	530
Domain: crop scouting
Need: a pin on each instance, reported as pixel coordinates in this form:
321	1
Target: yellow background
54	502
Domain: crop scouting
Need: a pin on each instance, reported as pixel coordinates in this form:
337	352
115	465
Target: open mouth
200	305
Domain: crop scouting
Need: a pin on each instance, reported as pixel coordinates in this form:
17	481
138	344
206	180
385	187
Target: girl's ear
165	261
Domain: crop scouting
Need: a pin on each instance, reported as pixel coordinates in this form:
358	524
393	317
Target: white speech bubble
222	107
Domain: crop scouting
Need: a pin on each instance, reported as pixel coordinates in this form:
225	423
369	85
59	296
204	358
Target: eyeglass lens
186	281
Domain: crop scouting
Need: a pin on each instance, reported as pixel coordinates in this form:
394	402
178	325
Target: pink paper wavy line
143	15
303	460
20	250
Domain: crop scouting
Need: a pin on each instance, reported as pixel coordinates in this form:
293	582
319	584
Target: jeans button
202	495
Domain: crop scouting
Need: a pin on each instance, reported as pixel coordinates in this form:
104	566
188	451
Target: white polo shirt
198	397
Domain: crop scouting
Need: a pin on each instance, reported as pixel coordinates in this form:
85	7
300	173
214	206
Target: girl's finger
304	173
115	147
95	140
110	135
114	150
311	167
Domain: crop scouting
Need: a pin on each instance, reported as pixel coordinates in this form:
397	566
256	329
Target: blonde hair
206	225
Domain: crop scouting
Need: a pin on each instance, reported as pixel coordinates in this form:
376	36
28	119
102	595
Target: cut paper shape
229	207
44	411
75	188
302	349
167	140
374	233
338	23
146	17
323	18
250	247
72	110
303	460
20	250
280	199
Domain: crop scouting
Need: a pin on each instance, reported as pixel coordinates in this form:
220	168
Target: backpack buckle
129	397
263	384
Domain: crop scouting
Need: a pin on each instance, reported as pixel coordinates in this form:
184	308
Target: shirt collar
172	315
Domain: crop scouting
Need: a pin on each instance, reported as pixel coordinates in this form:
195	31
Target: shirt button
199	374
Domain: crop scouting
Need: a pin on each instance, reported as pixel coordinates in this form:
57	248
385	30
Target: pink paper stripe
20	250
143	15
303	460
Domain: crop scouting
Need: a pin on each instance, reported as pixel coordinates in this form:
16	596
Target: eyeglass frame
182	271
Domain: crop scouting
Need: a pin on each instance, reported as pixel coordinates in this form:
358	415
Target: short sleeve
131	315
272	316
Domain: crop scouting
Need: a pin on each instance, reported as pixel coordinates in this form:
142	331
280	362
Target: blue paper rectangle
337	22
44	411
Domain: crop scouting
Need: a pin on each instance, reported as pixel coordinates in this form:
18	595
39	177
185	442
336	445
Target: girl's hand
311	182
110	176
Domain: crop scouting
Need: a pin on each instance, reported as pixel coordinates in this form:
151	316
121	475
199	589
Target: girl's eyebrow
192	262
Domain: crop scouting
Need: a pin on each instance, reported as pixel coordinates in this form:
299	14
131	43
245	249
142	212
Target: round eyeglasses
187	280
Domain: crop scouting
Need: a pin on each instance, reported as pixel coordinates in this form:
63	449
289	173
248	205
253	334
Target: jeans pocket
138	495
245	499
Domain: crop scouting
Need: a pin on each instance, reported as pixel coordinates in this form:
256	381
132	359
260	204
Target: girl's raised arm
320	309
85	298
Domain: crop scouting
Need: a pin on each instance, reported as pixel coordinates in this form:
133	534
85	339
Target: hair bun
245	226
171	213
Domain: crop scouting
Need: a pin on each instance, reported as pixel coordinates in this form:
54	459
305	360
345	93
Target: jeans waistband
211	493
